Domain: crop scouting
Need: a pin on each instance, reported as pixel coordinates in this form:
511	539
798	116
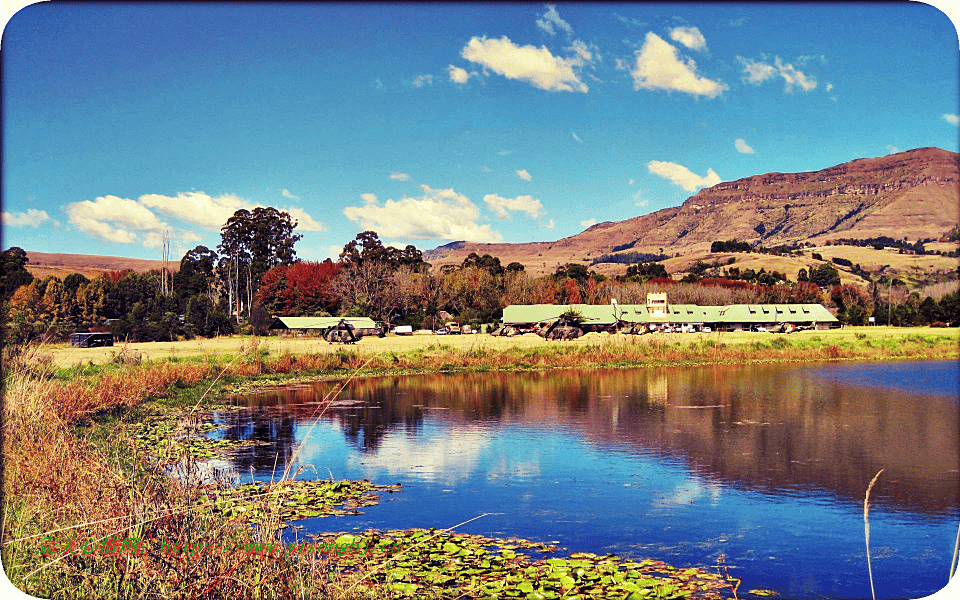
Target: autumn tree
300	289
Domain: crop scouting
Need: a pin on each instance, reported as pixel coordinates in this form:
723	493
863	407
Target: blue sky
443	122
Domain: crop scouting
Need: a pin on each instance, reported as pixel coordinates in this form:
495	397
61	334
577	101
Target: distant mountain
911	194
42	264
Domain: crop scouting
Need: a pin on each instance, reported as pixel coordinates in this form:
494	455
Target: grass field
63	355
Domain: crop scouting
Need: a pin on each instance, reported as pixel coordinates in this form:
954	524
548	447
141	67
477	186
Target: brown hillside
43	264
911	194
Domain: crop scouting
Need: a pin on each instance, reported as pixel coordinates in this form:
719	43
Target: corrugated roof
320	322
676	313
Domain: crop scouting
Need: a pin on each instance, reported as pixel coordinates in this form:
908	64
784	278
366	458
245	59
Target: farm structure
657	314
359	326
91	340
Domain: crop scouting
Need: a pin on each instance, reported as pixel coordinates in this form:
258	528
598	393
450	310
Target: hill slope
911	194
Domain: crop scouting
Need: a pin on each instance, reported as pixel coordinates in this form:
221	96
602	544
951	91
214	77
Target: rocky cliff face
914	194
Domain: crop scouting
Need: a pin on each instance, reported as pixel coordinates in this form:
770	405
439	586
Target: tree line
254	274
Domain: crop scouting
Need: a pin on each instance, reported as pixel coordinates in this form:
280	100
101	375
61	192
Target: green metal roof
320	322
676	313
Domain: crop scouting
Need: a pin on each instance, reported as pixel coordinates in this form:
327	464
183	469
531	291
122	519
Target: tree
300	289
824	275
13	274
253	242
196	274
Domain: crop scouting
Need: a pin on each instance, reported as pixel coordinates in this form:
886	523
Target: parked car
442	332
706	330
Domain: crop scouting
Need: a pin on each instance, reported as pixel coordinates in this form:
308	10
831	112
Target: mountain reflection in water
766	464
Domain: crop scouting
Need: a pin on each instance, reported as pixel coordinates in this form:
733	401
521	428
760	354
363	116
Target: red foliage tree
300	289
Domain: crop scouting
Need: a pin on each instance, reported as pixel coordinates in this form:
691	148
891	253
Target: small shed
91	340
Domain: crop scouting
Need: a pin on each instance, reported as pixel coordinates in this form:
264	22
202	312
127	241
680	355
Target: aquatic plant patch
290	500
168	438
441	564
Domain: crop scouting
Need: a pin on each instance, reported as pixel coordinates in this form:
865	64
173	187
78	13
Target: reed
866	529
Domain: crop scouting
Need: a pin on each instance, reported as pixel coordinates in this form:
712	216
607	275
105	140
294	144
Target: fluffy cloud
397	176
458	75
524	174
125	221
500	205
286	194
436	215
31	218
659	67
552	18
588	223
118	220
952	119
196	207
548	225
742	146
757	72
536	66
689	37
683	176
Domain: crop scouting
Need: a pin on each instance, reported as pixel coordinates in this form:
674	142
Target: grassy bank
75	466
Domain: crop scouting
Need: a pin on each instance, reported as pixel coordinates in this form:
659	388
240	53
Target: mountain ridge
912	194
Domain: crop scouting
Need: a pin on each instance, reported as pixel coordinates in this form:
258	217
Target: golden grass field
64	355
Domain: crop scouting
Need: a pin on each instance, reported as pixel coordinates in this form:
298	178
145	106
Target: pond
764	464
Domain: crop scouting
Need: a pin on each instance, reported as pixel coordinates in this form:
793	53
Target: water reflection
777	429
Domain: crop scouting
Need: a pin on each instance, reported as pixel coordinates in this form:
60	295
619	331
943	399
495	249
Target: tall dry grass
58	483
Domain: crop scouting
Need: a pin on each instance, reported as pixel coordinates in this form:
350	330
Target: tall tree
253	242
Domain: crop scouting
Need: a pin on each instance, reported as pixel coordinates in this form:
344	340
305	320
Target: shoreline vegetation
88	437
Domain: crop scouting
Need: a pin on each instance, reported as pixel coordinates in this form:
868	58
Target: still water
766	465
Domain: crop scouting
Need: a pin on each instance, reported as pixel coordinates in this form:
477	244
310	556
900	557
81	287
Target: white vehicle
403	330
706	330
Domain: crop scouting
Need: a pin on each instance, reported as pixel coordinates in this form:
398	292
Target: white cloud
31	218
795	78
659	67
304	221
118	220
576	137
196	207
683	176
742	146
421	80
829	87
551	18
642	203
952	119
125	221
548	225
536	66
523	174
689	37
757	72
436	215
892	149
500	205
458	75
588	223
286	194
505	152
397	176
